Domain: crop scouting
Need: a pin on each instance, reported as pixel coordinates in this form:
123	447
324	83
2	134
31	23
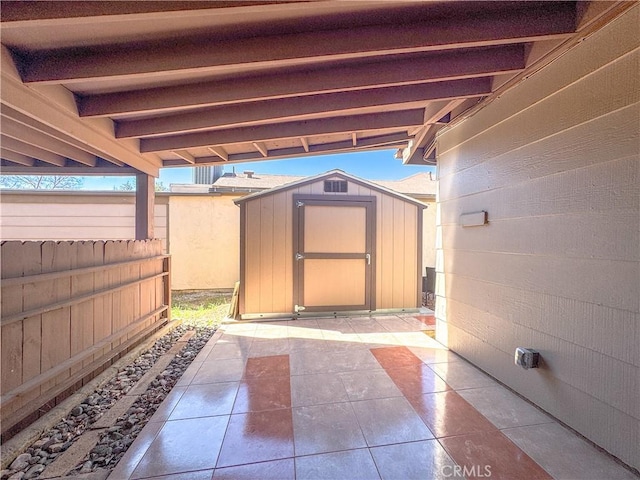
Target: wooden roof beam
386	141
69	170
415	150
17	158
433	112
33	151
305	144
286	109
28	135
185	156
551	20
220	152
9	112
262	148
436	110
56	108
347	124
20	11
431	67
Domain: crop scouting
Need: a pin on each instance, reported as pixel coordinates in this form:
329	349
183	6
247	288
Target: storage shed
329	243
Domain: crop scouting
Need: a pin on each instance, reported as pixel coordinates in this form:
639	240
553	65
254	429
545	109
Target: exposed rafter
315	106
17	158
21	11
29	150
219	151
434	112
8	112
262	148
404	119
39	169
556	19
56	109
185	156
106	86
385	71
388	141
30	136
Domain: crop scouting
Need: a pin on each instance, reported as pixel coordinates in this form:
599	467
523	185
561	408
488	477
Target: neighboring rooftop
418	185
421	184
251	182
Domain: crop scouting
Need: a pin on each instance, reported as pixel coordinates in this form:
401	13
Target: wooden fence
69	309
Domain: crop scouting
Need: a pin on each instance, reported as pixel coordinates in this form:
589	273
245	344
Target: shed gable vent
335	186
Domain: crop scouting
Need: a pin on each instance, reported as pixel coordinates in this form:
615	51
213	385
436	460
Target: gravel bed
115	441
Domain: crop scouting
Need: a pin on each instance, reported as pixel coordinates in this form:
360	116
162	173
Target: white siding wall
555	163
74	216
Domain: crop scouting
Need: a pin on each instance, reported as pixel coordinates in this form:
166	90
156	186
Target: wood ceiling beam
415	150
262	148
23	12
436	110
347	124
553	20
55	107
287	109
430	67
28	135
7	111
305	144
17	158
386	141
220	152
38	153
433	113
185	156
75	170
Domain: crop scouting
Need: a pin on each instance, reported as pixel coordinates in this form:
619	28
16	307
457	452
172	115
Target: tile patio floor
357	398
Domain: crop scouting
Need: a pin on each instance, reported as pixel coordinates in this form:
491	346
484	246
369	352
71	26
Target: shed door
334	254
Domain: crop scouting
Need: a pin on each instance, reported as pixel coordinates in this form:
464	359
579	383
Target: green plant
200	308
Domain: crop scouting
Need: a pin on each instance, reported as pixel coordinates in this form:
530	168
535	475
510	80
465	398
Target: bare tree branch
41	182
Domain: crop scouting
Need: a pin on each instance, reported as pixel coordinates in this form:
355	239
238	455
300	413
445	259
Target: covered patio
357	398
529	111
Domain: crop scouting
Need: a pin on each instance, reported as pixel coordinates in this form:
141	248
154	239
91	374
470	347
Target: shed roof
326	175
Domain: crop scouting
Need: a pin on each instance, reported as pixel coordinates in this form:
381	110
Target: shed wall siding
555	163
269	250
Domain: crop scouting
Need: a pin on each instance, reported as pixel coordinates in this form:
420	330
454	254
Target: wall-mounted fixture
474	219
526	358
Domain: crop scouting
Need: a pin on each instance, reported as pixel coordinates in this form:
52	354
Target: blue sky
374	165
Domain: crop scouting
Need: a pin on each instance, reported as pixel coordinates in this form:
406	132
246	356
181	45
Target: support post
145	203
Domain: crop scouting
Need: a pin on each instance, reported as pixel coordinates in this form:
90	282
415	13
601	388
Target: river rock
86	467
56	447
34	471
21	462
